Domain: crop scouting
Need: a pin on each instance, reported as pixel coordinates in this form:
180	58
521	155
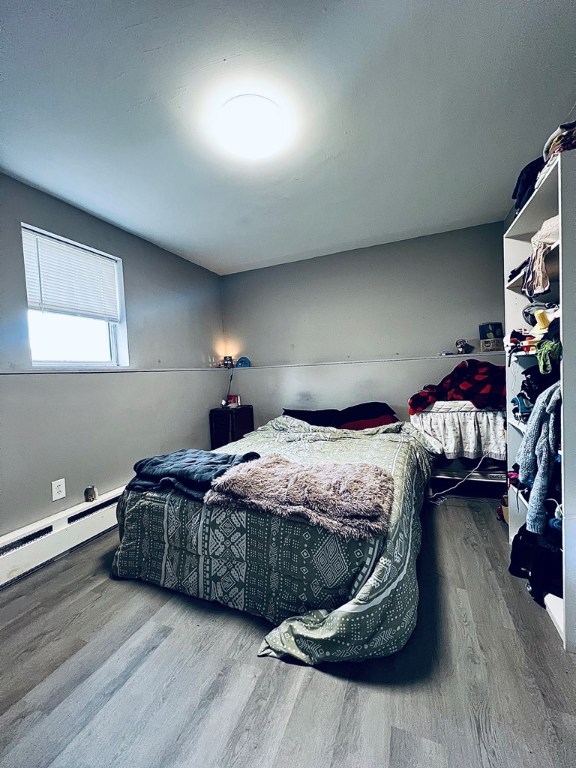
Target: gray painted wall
172	306
407	299
403	300
328	385
90	427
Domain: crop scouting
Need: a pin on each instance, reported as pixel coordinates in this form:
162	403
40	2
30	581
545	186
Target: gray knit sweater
538	452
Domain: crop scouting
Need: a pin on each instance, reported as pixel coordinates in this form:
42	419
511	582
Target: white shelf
541	206
515	492
519	425
516	283
555	607
555	196
552	268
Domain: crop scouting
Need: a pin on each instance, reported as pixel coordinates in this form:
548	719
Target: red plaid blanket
484	384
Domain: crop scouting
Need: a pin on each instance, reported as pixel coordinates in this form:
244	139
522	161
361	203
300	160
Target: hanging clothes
537	454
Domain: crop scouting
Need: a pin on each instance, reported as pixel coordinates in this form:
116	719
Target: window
75	303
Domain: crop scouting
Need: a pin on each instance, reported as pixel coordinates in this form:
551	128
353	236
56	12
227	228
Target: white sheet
463	430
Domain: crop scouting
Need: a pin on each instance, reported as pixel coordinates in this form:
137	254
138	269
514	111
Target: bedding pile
189	471
352	500
330	598
482	383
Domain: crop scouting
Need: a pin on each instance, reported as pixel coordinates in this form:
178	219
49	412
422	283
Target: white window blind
62	277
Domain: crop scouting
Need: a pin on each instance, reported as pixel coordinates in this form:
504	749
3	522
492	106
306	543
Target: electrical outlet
58	489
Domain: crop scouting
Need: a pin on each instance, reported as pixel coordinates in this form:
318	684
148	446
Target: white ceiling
414	117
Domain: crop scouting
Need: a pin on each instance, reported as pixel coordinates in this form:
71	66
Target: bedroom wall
400	303
90	427
341	384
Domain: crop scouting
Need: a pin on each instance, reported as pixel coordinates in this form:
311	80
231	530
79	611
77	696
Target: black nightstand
229	424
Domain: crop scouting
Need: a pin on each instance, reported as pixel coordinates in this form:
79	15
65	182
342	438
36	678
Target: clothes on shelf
532	175
536	280
518	270
526	183
562	140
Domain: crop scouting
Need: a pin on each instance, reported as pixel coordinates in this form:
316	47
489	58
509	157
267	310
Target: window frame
118	335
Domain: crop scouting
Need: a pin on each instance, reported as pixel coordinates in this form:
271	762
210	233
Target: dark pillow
334	418
366	411
326	418
381	421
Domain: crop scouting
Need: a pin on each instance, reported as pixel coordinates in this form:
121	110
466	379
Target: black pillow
334	418
326	418
366	411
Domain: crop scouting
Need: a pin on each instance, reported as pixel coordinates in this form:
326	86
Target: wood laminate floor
95	672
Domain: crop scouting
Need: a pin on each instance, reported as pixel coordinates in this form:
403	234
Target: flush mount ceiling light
252	127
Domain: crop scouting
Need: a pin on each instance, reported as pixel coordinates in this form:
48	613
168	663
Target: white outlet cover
58	489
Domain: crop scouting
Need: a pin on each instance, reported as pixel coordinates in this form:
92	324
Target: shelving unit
555	195
552	267
519	425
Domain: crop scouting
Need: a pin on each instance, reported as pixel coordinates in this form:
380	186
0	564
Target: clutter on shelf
463	347
229	362
542	339
490	331
521	407
491	337
539	257
532	175
562	140
536	281
526	183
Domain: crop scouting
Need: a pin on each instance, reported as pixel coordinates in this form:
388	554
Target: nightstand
229	424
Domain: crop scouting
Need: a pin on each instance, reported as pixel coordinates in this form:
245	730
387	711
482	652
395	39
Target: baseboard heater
34	545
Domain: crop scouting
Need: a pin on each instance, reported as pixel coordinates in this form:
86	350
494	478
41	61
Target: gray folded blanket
189	471
352	500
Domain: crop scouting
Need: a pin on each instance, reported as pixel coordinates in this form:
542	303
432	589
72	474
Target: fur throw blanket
352	500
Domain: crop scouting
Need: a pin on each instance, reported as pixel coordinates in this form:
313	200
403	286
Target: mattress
329	598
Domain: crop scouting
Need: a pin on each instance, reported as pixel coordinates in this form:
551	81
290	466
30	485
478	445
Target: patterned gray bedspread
331	598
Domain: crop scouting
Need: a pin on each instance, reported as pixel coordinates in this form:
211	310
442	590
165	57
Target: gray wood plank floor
95	672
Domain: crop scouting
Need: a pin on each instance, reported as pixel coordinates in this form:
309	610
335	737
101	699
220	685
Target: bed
464	430
329	598
465	412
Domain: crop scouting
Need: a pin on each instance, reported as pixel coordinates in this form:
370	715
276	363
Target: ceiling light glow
252	127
